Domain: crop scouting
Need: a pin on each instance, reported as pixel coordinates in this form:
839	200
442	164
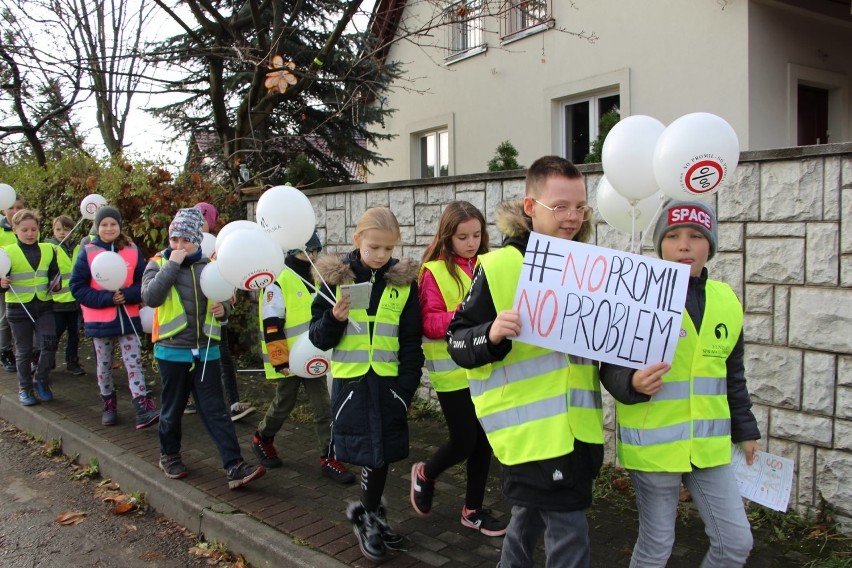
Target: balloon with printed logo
286	214
628	156
90	205
233	227
214	285
208	244
620	214
308	361
695	155
109	270
8	195
250	260
5	262
146	314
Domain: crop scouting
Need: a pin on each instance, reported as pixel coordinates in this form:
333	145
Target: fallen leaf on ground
622	483
45	474
123	508
70	518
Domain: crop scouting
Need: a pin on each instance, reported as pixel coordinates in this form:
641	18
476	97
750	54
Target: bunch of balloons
645	162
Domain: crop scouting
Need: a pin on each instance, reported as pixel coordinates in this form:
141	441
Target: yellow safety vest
535	402
170	318
358	351
66	265
297	302
444	374
7	237
28	283
688	423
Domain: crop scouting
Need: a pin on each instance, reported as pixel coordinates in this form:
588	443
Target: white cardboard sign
600	303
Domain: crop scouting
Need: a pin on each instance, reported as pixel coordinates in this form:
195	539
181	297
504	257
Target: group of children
538	411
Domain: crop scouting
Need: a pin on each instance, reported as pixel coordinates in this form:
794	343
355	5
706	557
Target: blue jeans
566	538
181	379
716	495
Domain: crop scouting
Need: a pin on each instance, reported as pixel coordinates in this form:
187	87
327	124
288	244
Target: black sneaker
366	528
265	451
422	490
336	471
146	411
173	466
483	521
243	474
7	359
73	367
190	407
390	537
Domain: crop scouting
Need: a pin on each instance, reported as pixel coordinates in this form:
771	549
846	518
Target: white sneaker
240	410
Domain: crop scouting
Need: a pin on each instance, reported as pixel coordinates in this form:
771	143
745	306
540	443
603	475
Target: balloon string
133	327
633	226
71	231
206	352
653	220
23	305
354	323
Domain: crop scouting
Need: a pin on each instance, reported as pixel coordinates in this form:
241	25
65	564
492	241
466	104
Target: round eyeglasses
563	212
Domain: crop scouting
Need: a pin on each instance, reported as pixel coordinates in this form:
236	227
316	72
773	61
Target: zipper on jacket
393	392
339	410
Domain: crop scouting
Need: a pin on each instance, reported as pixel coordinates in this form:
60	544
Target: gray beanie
187	225
104	212
694	214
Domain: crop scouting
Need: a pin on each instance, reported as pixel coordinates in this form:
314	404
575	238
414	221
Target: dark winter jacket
81	289
370	425
528	484
617	379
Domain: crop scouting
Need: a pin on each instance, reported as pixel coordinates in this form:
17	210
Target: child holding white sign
679	427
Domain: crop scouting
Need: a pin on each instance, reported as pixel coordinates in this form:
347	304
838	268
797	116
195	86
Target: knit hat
187	225
104	212
211	215
694	214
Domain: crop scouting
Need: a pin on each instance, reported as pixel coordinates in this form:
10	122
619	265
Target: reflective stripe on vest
170	318
687	424
297	303
66	265
107	314
534	403
358	351
444	374
27	283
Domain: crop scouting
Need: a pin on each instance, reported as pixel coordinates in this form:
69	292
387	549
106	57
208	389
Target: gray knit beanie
187	225
104	212
695	214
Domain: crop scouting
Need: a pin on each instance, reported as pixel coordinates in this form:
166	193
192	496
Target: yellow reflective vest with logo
374	346
170	318
534	403
444	374
28	283
688	423
66	265
297	302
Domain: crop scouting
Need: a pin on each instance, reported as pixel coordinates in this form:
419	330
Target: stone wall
785	247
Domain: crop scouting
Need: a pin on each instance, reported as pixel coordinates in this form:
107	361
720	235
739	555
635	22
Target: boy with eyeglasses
285	311
529	399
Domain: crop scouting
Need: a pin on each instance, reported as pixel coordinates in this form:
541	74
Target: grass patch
91	471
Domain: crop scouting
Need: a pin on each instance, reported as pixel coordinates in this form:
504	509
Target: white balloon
306	360
214	285
617	211
250	260
628	156
109	270
208	244
5	262
8	195
90	205
695	155
286	214
233	227
146	314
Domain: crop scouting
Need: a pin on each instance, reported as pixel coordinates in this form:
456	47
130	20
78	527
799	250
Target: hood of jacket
337	269
511	219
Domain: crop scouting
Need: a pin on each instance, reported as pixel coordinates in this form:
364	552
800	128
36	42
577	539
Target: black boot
7	359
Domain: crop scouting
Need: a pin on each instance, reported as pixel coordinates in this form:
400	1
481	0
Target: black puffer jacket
369	413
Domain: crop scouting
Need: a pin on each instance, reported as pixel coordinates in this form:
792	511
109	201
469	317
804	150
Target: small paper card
767	481
359	294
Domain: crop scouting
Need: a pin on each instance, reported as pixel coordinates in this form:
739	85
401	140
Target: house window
523	17
813	116
464	32
581	119
434	152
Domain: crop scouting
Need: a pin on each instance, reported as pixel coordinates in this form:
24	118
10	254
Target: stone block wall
785	246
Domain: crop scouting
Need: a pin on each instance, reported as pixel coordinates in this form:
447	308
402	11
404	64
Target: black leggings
467	442
373	486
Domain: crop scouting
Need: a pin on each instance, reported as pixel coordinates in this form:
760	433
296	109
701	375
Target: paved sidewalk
294	516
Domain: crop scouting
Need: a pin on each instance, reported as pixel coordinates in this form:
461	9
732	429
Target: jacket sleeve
81	276
433	308
325	331
273	313
467	336
133	293
157	282
743	423
411	357
618	381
